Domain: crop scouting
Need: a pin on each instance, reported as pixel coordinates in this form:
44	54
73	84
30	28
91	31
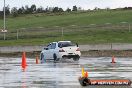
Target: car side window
53	46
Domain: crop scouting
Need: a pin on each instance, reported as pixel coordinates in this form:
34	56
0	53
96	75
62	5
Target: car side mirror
77	44
46	48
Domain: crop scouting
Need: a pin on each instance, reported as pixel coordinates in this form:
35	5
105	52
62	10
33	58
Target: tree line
33	9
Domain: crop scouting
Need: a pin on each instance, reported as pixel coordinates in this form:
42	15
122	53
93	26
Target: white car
61	50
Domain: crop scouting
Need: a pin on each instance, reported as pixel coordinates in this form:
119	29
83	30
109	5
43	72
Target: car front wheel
42	56
55	57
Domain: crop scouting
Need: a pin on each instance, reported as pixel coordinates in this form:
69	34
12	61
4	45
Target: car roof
60	41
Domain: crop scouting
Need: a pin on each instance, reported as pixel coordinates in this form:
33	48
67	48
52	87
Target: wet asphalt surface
62	74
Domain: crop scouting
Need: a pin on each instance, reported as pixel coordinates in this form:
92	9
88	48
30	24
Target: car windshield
65	44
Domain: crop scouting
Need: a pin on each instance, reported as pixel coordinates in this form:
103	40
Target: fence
58	31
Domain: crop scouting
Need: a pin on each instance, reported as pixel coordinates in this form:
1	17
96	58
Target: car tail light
78	49
61	50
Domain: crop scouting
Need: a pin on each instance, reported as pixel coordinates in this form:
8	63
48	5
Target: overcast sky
85	4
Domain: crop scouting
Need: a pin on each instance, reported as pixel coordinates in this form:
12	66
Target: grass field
39	29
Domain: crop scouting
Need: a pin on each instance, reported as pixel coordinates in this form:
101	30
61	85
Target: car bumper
70	56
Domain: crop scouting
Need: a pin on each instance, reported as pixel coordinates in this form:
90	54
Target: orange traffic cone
37	60
24	63
86	74
113	60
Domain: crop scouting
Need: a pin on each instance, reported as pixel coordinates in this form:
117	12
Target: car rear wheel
55	57
75	59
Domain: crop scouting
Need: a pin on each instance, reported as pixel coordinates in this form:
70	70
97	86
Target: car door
47	52
52	50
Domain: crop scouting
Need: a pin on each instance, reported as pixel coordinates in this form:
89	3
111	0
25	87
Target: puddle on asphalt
63	74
